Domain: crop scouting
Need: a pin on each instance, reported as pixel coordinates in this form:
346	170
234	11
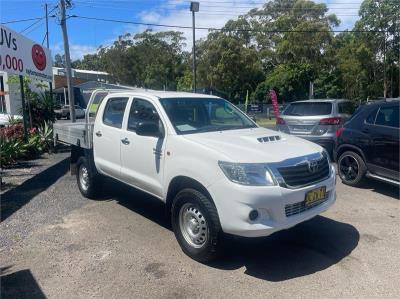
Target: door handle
98	134
125	141
157	152
365	130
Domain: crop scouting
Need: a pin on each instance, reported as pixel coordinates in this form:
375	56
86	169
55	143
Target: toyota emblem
313	166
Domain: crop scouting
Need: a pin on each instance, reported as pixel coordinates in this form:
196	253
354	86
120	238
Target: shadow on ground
19	285
14	199
381	187
302	250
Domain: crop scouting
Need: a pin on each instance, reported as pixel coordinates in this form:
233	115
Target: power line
208	12
216	29
31	25
19	21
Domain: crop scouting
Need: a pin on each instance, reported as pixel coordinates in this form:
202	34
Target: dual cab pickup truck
217	171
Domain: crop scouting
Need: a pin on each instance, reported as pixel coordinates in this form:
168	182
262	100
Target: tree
59	61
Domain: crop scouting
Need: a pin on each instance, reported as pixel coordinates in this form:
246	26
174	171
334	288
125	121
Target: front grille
300	207
302	174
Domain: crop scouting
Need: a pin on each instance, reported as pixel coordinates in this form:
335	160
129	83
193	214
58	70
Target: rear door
384	134
107	136
142	157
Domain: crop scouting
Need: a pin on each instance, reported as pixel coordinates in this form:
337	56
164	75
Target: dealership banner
22	56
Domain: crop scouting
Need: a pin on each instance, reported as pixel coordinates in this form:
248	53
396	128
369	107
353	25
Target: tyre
88	183
351	168
67	116
196	225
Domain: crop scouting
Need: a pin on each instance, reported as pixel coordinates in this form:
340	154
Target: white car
214	168
64	112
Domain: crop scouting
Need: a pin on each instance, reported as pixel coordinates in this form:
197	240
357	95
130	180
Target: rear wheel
88	183
351	168
196	225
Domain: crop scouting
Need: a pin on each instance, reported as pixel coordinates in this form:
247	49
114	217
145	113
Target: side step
383	179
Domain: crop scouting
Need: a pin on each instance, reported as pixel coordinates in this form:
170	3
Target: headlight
248	174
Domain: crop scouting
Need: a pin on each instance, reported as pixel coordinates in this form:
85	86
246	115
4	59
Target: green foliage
185	83
11	150
42	109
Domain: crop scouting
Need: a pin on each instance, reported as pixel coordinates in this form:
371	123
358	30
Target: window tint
388	116
114	112
141	111
346	108
308	109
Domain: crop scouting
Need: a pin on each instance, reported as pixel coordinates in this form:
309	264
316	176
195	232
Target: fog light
253	215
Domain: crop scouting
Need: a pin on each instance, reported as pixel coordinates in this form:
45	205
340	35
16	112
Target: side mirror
151	129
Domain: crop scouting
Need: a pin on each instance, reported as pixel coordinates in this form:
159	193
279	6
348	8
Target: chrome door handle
98	134
125	141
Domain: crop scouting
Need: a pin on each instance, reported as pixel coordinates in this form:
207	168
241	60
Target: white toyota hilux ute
216	170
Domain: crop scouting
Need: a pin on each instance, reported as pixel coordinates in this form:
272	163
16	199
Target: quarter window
141	111
388	116
371	117
114	112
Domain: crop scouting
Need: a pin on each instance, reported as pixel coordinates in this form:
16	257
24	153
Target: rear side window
346	108
308	109
114	112
141	111
388	116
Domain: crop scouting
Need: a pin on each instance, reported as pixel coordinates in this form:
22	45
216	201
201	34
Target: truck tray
78	133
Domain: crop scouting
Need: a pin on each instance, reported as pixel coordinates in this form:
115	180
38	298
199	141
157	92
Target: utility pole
48	46
63	24
194	7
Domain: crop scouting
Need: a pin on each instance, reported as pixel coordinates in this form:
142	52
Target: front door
107	136
142	156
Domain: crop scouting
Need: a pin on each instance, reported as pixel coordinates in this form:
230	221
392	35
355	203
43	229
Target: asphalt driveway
56	244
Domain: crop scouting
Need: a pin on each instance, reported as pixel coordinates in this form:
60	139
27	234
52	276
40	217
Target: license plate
315	195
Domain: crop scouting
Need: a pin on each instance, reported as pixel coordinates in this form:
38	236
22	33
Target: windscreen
196	115
308	109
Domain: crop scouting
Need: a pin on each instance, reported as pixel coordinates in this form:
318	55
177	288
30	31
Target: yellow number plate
315	195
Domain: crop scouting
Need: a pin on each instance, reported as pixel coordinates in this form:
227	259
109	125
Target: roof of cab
321	100
163	94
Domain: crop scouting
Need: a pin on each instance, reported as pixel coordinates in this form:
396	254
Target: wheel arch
180	182
76	153
349	147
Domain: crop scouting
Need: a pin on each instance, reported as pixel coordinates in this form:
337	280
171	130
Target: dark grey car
316	120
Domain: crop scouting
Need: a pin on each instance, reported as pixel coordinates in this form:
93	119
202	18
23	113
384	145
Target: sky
85	36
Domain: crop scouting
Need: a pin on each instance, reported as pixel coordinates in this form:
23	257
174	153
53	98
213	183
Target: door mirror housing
151	129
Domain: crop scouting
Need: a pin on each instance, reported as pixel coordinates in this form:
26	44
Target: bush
14	147
42	109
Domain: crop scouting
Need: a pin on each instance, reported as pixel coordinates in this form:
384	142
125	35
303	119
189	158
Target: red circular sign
39	57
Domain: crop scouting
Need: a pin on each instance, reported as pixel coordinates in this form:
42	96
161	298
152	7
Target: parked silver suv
316	120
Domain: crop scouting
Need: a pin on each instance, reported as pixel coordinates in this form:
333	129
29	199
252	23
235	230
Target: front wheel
196	225
351	168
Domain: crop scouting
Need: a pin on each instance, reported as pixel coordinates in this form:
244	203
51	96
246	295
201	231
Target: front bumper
234	202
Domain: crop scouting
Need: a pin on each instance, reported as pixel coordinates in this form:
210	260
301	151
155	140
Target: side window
141	111
114	112
371	117
346	108
388	116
